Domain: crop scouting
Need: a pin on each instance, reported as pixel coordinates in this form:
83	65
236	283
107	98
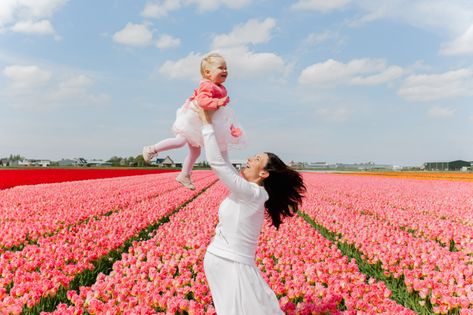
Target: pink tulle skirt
227	130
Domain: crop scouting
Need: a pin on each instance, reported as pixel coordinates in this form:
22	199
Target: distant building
238	164
33	162
96	162
72	162
297	165
368	166
164	162
320	165
457	165
67	162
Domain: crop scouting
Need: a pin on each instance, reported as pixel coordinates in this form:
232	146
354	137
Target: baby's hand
223	101
205	116
235	131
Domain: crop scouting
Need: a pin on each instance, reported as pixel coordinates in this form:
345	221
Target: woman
265	184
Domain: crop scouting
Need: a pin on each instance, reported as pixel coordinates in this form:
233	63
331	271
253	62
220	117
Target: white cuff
207	128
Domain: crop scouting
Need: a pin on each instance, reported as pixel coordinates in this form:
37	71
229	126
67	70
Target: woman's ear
263	174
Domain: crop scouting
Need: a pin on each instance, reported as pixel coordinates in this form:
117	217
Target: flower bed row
28	212
164	275
312	276
440	277
39	270
435	210
451	176
16	177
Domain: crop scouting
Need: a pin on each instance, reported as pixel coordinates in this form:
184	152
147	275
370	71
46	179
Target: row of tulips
442	277
452	176
29	212
164	275
33	176
40	269
435	210
313	276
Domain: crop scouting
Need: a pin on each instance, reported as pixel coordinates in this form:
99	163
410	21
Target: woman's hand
204	115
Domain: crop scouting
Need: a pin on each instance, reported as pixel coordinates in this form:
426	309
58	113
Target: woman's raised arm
225	171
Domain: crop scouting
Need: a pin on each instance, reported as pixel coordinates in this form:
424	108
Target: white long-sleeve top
241	214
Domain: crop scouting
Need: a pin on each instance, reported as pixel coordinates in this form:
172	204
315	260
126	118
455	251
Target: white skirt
238	289
188	125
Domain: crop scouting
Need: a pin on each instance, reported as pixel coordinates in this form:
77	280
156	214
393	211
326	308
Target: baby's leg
151	151
169	144
184	177
194	153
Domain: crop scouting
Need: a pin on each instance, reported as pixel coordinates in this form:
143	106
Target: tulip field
135	245
15	177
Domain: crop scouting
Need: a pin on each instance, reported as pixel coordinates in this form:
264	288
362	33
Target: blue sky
311	80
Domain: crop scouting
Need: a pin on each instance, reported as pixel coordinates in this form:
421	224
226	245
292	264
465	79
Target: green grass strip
397	286
103	265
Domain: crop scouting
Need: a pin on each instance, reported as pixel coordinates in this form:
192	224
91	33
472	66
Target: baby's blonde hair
206	61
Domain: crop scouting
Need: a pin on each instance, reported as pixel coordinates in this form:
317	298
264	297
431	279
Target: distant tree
115	160
139	160
130	161
17	157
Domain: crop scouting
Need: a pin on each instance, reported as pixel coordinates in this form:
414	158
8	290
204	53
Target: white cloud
160	9
28	16
425	87
441	112
356	72
167	41
72	87
32	87
461	45
252	32
26	77
42	27
242	63
447	18
7	11
184	68
320	5
438	15
317	38
391	73
211	5
134	35
157	10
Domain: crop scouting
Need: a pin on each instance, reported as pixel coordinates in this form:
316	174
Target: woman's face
253	170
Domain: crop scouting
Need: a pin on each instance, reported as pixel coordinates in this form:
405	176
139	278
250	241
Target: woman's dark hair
285	188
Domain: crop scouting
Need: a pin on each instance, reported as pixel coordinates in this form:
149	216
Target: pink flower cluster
40	269
29	212
162	275
436	210
312	275
373	215
165	275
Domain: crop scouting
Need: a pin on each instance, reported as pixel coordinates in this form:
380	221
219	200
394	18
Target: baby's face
217	71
